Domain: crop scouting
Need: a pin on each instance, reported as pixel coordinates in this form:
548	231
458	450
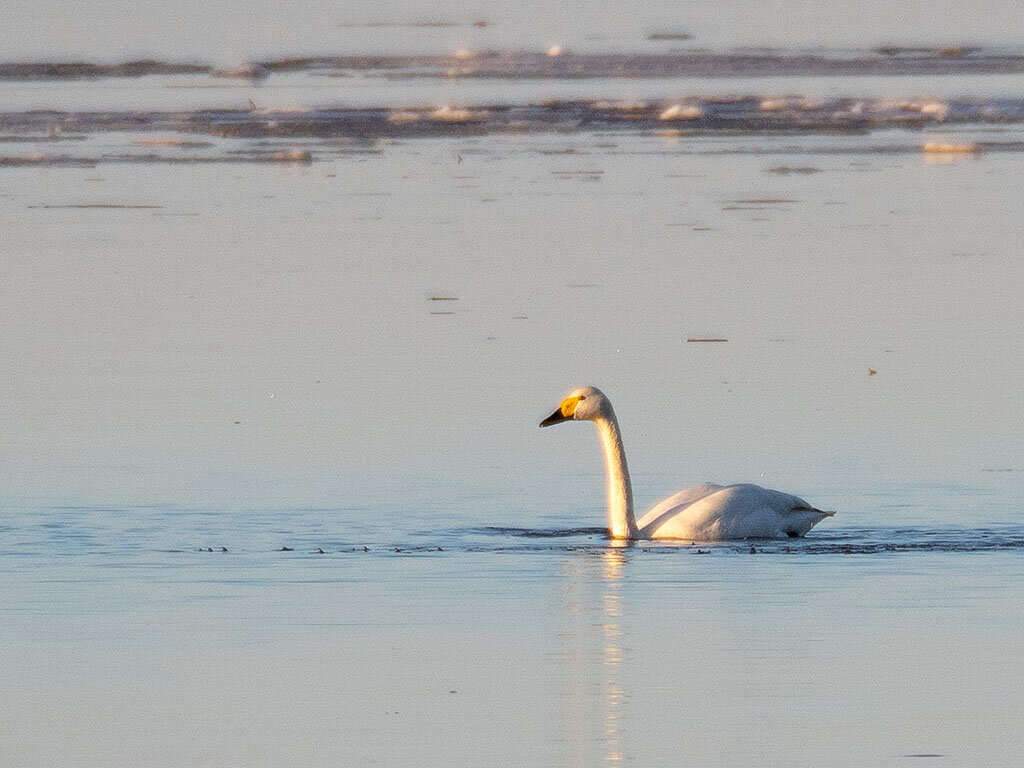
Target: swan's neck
621	522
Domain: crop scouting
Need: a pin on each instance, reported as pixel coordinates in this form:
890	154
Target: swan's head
583	404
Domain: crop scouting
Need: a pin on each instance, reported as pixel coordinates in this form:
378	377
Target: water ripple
841	541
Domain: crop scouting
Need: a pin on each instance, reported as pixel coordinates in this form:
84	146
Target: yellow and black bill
564	412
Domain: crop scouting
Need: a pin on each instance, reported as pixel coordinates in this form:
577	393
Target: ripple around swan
540	533
842	541
175	537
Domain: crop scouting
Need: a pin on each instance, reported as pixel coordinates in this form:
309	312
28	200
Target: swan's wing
715	512
676	503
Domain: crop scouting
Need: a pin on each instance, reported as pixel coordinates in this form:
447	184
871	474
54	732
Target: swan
703	513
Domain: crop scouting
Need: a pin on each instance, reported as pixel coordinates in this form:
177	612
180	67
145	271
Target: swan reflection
595	656
613	561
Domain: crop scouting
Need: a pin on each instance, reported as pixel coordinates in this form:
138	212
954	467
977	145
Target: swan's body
702	513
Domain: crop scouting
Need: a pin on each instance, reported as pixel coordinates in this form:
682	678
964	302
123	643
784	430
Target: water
233	29
550	644
275	351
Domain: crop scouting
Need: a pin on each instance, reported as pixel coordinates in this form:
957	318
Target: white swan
702	513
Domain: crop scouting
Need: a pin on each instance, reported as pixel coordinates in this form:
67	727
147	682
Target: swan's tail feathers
806	517
821	512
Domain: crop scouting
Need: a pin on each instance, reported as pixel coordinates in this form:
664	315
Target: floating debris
400	25
764	201
403	117
450	114
787	169
670	36
296	156
294	109
361	129
951	148
704	341
925	51
682	112
890	61
101	206
620	105
935	109
177	143
246	70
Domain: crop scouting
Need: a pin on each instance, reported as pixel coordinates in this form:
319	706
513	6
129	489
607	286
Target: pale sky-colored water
296	302
577	659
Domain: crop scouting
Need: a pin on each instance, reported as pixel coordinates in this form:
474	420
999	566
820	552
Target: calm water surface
271	484
539	646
